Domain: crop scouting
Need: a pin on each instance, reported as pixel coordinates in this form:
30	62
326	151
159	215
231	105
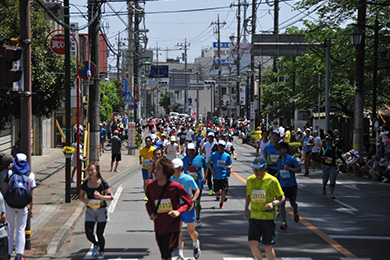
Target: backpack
18	194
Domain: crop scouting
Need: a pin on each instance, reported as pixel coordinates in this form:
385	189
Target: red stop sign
57	44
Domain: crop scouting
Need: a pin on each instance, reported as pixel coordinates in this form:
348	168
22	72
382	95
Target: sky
172	22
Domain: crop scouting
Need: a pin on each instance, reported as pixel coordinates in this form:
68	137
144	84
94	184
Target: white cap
276	132
210	134
222	142
177	163
191	146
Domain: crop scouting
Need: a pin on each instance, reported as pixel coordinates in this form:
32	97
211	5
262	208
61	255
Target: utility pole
245	4
238	58
359	92
94	95
218	23
185	47
118	57
130	55
252	77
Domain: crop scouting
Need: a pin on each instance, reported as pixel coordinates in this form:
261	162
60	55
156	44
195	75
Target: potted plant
68	151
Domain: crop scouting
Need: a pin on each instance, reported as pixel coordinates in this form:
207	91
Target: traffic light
8	73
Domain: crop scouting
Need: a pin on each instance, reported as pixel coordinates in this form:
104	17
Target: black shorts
271	171
167	243
290	192
264	229
314	156
221	185
116	157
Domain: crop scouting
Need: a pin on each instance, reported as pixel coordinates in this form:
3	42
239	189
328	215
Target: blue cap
258	163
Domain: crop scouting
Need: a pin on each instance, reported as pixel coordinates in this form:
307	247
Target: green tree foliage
165	101
110	100
47	88
336	18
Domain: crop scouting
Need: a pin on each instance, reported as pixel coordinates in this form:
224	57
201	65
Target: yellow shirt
147	156
257	134
287	136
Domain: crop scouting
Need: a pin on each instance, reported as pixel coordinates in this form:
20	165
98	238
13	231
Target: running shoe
198	223
100	255
323	192
116	171
111	170
283	226
19	257
307	173
180	258
225	199
296	217
197	251
146	198
211	193
217	198
95	250
221	205
332	197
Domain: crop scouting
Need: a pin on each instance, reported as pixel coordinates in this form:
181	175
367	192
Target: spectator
115	151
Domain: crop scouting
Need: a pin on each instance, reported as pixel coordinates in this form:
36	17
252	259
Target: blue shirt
272	156
219	162
187	182
103	133
287	178
193	167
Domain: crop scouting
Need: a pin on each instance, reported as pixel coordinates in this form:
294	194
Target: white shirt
207	148
171	151
262	146
317	143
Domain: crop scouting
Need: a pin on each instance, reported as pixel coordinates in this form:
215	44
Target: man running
270	153
264	194
146	159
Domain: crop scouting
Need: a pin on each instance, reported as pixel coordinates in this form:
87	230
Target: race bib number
304	143
193	175
221	163
165	206
148	162
284	174
258	196
328	160
94	204
171	152
274	158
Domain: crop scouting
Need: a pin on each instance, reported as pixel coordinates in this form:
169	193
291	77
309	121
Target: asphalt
53	218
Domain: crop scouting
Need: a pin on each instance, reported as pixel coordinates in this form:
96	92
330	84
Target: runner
307	143
206	151
270	153
188	216
164	207
288	165
219	164
146	159
193	165
264	194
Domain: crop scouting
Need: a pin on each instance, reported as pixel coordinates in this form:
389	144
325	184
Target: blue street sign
159	71
128	97
126	83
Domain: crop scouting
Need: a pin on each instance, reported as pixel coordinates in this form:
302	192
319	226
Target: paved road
353	226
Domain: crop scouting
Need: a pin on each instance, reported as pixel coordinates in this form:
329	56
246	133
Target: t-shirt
187	182
207	147
147	155
258	135
193	167
272	156
287	136
116	145
317	143
170	200
261	192
171	151
103	133
287	178
219	162
93	202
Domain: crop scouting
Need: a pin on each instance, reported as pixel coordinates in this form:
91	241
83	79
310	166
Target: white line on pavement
361	237
117	194
347	208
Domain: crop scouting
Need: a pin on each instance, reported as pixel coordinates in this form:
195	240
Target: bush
294	148
138	140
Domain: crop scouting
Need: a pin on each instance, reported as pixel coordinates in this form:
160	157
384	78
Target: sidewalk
53	218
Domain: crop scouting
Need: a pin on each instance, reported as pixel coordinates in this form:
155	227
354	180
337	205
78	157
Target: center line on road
313	228
117	194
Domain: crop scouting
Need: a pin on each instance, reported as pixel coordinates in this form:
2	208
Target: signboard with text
224	51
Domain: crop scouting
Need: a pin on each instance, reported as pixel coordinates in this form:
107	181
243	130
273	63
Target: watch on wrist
273	204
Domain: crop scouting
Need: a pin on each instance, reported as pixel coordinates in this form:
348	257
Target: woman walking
98	192
164	207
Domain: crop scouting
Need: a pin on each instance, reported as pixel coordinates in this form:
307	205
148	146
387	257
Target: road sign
278	45
159	71
88	70
125	83
57	44
128	97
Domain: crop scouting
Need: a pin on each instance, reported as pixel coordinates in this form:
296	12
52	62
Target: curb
63	232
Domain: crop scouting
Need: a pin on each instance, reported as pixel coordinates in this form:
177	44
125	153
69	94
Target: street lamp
248	111
145	73
355	38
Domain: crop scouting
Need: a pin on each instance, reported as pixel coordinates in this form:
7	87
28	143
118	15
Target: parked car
173	115
184	116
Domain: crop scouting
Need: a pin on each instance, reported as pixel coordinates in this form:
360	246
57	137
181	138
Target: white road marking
117	194
361	237
347	209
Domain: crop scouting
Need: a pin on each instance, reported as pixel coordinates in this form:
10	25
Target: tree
109	100
165	102
47	88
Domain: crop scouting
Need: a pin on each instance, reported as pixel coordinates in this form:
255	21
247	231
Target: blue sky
170	22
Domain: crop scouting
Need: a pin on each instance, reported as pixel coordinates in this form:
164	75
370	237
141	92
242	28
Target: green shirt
262	192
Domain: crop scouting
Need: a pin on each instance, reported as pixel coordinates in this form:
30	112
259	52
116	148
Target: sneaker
146	198
180	258
283	226
19	257
95	250
198	223
221	205
197	251
296	217
225	199
211	193
307	173
73	180
111	170
217	198
100	255
116	171
323	192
